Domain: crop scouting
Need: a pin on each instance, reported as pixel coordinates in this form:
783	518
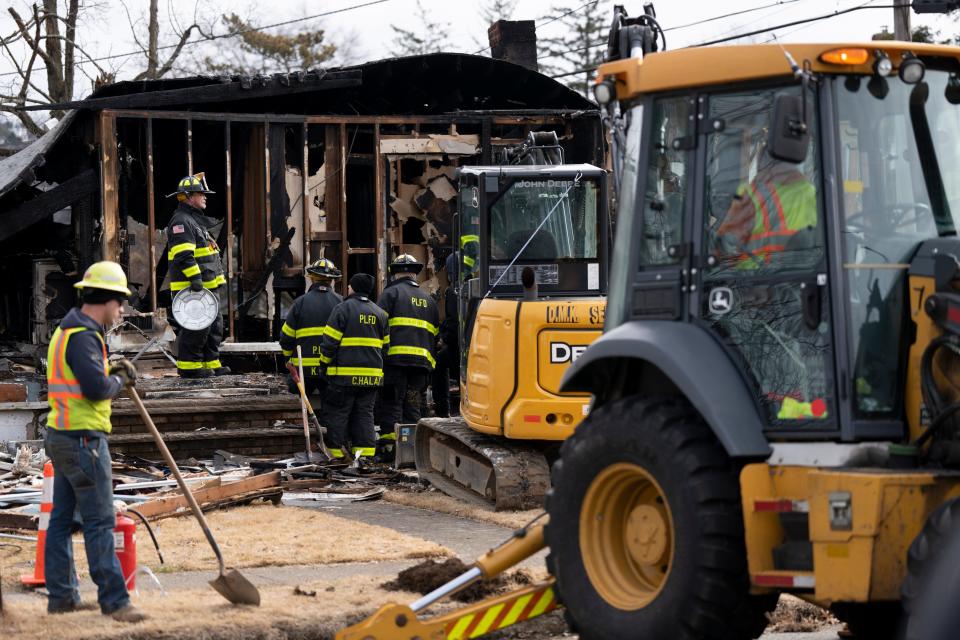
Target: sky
365	33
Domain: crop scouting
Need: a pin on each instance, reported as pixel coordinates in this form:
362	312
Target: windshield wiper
928	161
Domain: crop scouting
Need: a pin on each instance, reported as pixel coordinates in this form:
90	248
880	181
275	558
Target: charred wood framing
47	203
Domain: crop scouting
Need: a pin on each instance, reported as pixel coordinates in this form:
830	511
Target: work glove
292	386
125	370
196	285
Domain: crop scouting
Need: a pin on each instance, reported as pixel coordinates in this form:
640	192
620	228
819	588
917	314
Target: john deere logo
720	301
561	352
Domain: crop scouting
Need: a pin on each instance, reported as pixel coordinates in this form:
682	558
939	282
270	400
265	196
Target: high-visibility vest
781	210
69	410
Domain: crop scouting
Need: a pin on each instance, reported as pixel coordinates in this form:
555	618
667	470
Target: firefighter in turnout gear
194	263
305	323
414	321
355	343
80	386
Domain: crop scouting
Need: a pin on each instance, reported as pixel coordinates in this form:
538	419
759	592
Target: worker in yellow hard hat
80	386
194	263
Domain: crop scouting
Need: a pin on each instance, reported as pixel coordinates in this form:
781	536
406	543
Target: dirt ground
202	613
436	501
252	536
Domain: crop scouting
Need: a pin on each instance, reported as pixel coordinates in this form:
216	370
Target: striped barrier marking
502	615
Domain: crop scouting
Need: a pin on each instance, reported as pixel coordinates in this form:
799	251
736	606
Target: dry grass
264	536
442	503
253	536
202	613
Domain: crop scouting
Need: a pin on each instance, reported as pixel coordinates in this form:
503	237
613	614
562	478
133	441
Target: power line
758	31
218	36
683	26
795	22
731	15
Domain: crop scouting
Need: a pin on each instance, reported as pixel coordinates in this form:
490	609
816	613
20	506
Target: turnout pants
82	483
200	349
348	417
400	398
444	371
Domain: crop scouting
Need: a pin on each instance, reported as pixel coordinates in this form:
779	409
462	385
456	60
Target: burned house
356	164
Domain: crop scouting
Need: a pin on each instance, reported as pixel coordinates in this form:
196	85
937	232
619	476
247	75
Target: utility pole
901	20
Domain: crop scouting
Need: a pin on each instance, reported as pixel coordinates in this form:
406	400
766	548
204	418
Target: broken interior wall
422	196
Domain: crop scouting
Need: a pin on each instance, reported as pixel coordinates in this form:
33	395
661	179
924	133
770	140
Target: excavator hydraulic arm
400	622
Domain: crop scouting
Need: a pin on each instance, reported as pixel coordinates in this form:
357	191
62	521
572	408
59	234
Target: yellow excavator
776	394
533	247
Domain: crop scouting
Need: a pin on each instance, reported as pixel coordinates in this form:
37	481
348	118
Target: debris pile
794	615
429	575
225	479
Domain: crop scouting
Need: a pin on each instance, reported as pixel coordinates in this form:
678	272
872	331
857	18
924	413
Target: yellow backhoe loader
776	394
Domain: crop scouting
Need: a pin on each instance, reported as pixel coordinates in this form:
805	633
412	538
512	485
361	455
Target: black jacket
192	252
355	343
413	324
304	326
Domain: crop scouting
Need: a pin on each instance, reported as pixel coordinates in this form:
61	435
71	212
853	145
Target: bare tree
151	50
578	48
47	39
430	37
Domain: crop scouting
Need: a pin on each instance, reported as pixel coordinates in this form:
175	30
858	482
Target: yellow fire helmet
104	275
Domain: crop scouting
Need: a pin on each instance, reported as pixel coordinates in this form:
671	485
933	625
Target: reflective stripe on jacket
414	324
70	410
304	326
191	251
355	342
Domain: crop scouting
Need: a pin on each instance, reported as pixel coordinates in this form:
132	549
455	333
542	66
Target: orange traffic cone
46	507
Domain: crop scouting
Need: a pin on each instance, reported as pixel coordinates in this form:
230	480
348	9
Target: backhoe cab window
764	250
900	158
551	225
761	212
666	183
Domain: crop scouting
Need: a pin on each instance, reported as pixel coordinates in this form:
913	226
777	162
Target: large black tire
870	620
704	592
925	556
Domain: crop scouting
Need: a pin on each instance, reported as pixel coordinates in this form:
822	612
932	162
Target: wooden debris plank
266	485
218	434
19	521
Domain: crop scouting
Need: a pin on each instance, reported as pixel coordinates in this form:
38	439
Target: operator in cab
353	349
411	358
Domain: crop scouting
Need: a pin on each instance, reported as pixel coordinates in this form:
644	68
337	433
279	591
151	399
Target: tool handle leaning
162	446
303	400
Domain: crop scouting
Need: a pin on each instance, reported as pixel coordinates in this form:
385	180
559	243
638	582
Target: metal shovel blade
233	586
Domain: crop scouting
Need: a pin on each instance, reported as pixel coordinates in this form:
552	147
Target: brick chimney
514	41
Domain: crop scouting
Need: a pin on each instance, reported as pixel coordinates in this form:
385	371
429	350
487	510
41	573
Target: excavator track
493	472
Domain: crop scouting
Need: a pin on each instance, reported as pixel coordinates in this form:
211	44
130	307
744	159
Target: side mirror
789	135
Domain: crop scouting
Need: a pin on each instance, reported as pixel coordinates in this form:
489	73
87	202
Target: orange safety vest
69	409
